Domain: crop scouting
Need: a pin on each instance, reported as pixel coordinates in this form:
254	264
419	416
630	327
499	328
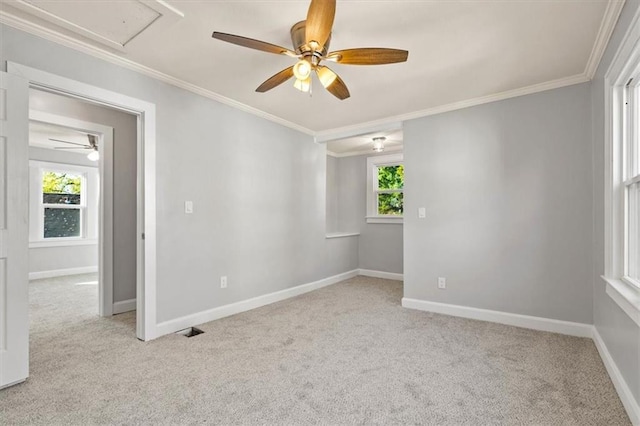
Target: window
63	204
622	177
385	195
630	167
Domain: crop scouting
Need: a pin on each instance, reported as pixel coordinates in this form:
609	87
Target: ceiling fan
93	146
311	40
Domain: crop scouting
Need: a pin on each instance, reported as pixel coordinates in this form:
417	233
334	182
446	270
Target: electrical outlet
223	282
442	282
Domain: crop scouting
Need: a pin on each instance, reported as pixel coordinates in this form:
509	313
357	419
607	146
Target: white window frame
88	225
372	188
622	99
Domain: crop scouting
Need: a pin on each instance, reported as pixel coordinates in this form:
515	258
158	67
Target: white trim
625	64
89	49
626	296
62	272
624	392
607	25
62	243
517	320
381	274
146	180
332	235
124	306
359	130
389	220
367	151
171	326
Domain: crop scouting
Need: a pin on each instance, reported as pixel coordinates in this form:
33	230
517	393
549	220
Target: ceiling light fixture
378	143
326	76
94	155
303	85
302	70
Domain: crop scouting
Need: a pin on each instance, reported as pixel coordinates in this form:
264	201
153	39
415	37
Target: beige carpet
345	354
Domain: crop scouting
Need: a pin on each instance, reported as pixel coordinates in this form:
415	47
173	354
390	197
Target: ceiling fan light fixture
378	144
93	155
326	76
303	85
302	69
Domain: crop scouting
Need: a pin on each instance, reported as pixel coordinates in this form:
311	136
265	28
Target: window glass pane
390	203
60	223
391	177
633	232
61	188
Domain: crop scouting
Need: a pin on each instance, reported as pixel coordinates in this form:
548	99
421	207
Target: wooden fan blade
337	87
254	44
320	21
276	80
368	56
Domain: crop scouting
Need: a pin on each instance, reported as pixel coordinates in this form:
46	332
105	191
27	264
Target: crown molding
84	47
363	152
528	90
607	25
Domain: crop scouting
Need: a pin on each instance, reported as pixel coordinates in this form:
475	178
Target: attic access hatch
110	23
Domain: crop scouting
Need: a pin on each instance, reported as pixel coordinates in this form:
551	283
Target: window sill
626	296
332	235
62	243
385	219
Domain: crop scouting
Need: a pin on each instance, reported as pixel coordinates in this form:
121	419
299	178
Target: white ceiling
363	144
459	51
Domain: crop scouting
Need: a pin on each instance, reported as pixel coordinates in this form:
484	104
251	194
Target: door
14	180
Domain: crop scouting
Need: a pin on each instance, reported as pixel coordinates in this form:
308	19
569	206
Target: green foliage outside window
61	183
390	178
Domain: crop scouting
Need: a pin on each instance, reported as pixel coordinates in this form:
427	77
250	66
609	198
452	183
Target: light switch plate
188	207
422	212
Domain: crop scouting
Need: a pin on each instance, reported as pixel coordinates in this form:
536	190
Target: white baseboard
629	402
178	324
381	274
124	306
517	320
62	272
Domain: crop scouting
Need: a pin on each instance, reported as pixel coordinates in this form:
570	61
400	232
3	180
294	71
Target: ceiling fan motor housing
298	38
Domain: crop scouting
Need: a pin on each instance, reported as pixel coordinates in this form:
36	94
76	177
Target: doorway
145	223
71	197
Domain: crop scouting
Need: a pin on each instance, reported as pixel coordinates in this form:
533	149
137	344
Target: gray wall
66	257
332	194
124	179
258	189
619	332
507	191
380	245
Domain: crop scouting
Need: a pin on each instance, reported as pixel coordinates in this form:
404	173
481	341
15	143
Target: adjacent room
320	212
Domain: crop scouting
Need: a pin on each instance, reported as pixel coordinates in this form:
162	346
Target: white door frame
105	209
14	247
146	179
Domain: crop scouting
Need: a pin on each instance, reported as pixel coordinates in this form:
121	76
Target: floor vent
190	332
